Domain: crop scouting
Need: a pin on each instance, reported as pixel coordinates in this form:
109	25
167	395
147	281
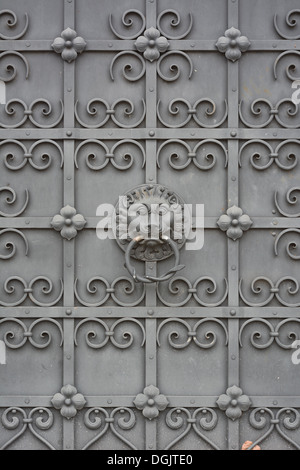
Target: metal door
100	98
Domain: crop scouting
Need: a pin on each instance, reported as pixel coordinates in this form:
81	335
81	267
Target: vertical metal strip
150	267
233	246
69	246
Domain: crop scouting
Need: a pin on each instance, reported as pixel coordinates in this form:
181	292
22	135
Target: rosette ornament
234	222
234	402
151	44
68	222
233	44
151	402
69	45
68	401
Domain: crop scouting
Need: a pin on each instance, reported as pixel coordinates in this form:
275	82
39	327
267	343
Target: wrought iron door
100	98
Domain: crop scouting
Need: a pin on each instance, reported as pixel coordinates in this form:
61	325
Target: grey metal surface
203	360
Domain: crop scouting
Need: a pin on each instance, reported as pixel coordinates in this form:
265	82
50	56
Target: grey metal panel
200	361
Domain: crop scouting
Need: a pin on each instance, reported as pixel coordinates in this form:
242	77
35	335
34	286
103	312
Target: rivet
69	89
27	222
109	312
27	132
68	311
233	268
275	402
193	44
232	312
69	265
28	44
233	357
150	312
151	133
109	401
150	445
274	221
151	89
192	402
27	400
69	178
69	356
151	357
233	133
192	133
27	312
274	313
110	44
233	446
234	90
150	178
273	234
275	134
192	311
273	211
233	178
69	133
274	45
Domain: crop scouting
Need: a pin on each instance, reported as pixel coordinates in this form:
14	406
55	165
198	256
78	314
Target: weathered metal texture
103	96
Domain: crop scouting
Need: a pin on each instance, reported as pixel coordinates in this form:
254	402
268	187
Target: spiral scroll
14	417
202	419
109	333
94	421
261	418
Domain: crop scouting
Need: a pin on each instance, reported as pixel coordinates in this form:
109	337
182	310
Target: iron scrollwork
122	290
39	417
272	334
93	109
94	421
273	291
12	23
192	334
11	199
20	156
110	333
203	290
17	107
285	419
26	333
265	155
202	419
16	285
121	160
204	155
152	43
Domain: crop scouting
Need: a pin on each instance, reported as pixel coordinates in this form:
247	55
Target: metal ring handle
149	279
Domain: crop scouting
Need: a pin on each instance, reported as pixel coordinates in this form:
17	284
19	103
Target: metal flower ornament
151	44
68	222
68	401
151	402
234	402
69	45
233	44
234	222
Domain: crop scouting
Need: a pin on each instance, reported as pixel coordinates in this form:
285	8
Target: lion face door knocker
150	226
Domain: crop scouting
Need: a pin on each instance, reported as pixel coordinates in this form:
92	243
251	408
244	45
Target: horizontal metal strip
111	401
209	222
103	45
149	312
144	133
